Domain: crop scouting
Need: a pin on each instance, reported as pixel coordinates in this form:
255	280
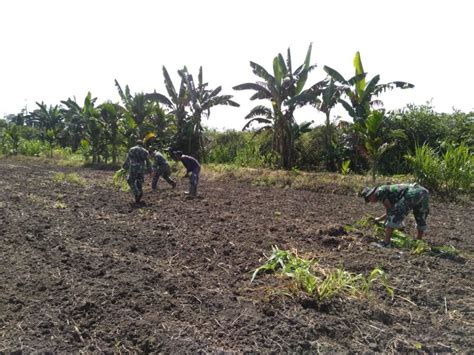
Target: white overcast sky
55	49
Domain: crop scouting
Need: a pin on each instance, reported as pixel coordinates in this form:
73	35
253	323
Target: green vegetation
404	241
414	140
69	178
323	284
120	180
449	172
295	179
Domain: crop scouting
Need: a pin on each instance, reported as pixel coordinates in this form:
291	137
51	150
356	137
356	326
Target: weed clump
323	284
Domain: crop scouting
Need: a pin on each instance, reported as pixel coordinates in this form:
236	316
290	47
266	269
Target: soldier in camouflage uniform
137	159
160	167
398	200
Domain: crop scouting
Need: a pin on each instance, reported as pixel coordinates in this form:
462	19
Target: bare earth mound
82	268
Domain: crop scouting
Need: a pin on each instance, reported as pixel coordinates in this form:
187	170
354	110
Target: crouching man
398	200
193	168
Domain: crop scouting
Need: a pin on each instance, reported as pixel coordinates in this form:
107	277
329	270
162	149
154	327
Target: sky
51	50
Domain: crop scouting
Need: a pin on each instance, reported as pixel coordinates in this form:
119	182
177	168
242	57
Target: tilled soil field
82	268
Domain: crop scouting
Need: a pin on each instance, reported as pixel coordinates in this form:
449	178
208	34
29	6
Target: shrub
450	173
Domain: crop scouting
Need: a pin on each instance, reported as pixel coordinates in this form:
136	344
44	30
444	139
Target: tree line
374	139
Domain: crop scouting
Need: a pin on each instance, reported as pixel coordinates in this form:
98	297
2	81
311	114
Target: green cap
367	192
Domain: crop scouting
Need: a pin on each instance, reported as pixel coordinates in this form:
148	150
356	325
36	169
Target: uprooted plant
319	282
120	180
402	240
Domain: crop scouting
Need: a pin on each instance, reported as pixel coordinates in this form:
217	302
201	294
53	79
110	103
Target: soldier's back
138	154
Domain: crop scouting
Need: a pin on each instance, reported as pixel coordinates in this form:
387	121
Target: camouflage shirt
159	161
391	192
137	158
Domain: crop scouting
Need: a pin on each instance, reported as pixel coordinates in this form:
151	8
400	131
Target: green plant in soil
120	180
71	178
324	284
402	240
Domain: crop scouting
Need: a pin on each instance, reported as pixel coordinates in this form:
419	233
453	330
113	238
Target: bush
32	147
450	173
240	148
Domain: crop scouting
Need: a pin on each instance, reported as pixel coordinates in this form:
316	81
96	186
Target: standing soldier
192	167
398	200
160	167
135	163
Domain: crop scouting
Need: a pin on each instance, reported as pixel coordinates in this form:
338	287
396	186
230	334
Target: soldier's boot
194	190
190	193
138	197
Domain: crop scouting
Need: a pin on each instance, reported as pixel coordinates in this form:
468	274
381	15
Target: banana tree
93	126
189	106
177	103
362	93
50	122
202	99
138	107
74	123
279	89
111	114
372	134
324	96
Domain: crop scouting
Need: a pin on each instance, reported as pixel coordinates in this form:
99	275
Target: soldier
192	167
398	200
135	163
160	167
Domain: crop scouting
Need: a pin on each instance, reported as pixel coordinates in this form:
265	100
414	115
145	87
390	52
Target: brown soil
84	269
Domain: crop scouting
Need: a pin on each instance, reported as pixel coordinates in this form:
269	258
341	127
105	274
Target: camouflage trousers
135	180
415	198
163	171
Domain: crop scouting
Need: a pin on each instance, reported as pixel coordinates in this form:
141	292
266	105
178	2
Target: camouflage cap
367	192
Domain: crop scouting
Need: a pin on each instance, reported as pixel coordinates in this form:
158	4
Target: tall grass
450	173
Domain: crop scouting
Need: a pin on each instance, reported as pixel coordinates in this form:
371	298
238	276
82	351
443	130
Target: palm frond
335	75
169	86
257	119
154	96
262	73
259	111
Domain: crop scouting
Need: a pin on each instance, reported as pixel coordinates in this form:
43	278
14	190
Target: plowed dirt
82	268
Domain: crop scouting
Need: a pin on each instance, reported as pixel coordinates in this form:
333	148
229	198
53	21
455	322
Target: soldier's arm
388	206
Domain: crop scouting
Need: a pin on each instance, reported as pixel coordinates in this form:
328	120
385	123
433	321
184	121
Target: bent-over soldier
398	200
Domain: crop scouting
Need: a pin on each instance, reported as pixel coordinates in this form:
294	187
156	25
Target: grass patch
59	205
323	284
70	178
402	240
296	179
